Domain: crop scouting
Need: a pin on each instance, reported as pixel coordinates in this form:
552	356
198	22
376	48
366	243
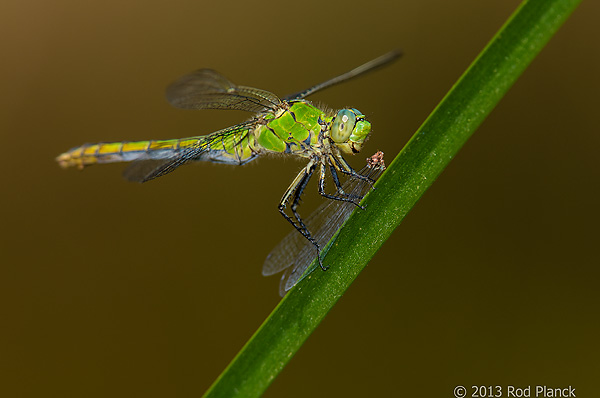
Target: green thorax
295	130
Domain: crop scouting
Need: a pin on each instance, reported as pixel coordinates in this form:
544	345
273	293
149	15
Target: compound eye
342	126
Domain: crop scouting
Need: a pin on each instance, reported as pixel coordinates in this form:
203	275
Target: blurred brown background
109	288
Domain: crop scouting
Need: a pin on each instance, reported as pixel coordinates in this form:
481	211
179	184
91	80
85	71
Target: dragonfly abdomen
109	152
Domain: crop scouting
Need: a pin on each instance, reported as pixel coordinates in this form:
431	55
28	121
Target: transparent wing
208	89
144	170
294	253
369	66
147	168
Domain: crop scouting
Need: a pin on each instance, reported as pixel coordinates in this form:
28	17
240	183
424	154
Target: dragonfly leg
343	197
345	168
340	191
336	179
296	198
294	192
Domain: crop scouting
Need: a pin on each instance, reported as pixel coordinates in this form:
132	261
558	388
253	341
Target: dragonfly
294	254
288	126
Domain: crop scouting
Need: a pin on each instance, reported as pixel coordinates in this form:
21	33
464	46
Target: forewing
364	68
208	89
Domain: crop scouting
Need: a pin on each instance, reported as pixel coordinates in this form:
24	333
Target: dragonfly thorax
349	130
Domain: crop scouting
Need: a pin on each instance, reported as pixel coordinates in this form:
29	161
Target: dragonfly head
349	130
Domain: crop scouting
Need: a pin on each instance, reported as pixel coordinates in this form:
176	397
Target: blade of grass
425	156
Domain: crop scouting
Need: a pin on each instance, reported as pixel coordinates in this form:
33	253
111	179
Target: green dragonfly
289	126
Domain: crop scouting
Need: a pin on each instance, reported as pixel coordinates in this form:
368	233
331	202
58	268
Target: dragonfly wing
369	66
282	256
208	89
143	170
230	146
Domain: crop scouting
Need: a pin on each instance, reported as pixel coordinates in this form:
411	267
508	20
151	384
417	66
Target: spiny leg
343	197
335	178
340	195
289	193
340	191
294	207
294	192
345	168
296	199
